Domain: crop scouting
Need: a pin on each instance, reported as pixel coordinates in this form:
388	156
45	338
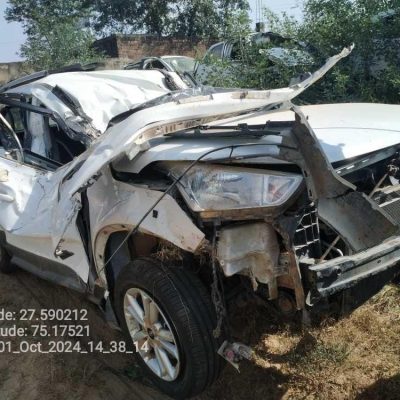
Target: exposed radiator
389	199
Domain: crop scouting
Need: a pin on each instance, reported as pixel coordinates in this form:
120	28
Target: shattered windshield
181	64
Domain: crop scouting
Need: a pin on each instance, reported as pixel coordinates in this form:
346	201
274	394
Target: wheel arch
122	207
113	251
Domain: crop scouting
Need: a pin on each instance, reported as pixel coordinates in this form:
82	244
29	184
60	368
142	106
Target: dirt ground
355	358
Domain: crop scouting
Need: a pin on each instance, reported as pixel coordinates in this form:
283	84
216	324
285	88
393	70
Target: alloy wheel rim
151	334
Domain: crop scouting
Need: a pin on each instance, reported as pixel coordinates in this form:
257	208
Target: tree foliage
252	63
56	32
370	73
205	18
61	32
187	18
124	16
51	46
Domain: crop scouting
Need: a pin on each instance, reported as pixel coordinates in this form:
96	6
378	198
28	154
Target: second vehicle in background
180	64
280	52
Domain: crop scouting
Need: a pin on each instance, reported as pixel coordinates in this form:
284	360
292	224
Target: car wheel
5	262
168	320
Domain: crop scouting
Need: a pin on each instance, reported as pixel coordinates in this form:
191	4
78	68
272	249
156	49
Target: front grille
307	239
393	209
388	199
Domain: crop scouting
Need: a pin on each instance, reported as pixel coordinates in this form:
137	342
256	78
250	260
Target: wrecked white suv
160	202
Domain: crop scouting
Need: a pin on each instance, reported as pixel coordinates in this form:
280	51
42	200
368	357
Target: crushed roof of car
101	94
104	95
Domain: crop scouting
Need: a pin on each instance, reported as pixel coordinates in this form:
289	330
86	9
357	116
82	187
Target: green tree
125	16
50	45
56	32
252	64
205	18
370	73
186	18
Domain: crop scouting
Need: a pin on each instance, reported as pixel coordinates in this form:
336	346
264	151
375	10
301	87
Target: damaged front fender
117	206
359	220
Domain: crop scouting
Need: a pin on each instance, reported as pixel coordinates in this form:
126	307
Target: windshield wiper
256	130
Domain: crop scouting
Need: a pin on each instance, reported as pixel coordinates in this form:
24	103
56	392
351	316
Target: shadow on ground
382	389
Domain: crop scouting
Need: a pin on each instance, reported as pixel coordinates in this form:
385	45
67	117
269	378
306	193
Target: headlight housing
216	188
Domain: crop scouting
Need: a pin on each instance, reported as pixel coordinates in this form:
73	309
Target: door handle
6	197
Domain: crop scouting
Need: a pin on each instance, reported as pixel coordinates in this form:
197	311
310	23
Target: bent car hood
346	130
350	130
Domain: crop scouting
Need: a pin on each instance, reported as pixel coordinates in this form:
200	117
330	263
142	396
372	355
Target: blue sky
11	35
292	7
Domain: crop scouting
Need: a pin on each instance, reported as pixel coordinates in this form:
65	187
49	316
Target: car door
28	194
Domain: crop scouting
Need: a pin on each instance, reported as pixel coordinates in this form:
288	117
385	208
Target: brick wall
134	47
121	49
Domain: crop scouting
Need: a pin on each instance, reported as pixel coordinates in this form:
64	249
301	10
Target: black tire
5	262
187	307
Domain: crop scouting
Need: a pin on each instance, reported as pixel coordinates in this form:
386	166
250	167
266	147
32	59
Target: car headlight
208	187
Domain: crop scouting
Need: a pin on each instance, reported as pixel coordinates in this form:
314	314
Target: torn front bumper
367	271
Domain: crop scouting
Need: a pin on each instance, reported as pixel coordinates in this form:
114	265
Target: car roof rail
41	74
